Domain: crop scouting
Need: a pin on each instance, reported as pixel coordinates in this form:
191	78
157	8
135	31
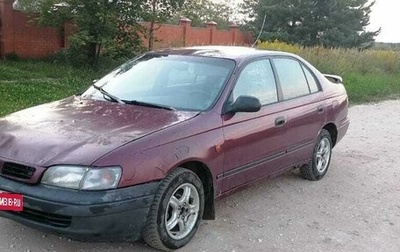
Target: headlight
82	178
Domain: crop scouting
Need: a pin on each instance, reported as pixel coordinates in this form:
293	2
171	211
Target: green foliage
386	46
27	5
160	10
279	46
328	23
201	12
372	87
12	56
109	27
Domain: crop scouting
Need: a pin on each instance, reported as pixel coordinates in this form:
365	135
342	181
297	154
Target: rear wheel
176	212
319	164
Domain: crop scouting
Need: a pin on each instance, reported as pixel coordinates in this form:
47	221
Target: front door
255	143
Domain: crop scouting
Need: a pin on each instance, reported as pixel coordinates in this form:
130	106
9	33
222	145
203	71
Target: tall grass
369	75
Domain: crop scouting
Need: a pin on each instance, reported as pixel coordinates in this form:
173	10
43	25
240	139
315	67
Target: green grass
28	83
372	87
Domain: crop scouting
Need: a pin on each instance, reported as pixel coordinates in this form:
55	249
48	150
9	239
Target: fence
20	35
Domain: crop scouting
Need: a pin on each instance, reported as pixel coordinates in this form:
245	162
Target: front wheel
319	164
176	212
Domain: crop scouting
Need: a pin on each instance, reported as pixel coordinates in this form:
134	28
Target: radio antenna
262	28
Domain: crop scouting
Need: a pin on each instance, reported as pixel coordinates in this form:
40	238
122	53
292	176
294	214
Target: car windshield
165	81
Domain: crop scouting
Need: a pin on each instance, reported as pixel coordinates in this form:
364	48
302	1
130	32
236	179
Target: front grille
18	171
54	220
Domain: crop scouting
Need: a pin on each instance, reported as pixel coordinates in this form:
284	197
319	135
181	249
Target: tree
200	12
110	26
158	11
330	23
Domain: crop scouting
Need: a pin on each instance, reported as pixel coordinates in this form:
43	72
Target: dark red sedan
145	150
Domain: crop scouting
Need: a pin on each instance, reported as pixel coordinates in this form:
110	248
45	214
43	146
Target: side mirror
244	104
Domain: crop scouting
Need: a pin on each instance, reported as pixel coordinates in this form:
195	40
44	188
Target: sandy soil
356	207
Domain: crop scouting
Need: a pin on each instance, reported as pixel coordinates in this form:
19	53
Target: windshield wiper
150	105
133	102
110	96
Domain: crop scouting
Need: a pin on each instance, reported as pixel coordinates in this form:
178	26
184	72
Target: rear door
304	109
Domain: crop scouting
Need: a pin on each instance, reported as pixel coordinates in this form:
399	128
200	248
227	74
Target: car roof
230	52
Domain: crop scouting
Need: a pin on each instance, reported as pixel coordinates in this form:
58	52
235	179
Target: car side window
257	79
292	78
312	83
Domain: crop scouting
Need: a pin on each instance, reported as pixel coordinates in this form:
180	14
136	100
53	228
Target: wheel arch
332	129
203	172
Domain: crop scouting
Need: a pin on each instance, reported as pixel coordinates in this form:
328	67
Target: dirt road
356	207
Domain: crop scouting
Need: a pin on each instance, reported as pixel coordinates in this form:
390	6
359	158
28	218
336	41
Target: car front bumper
110	215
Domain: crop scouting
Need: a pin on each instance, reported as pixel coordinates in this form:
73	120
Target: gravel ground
356	207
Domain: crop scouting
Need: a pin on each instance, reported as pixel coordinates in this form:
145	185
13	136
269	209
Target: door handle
280	121
320	108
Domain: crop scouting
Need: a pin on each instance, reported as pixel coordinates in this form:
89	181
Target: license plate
11	201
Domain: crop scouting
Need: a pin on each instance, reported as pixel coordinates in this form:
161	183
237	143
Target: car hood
78	131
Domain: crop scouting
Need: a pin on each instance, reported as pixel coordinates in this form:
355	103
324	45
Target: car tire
176	211
321	157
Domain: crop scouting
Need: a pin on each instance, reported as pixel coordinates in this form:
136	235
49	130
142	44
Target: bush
13	56
279	46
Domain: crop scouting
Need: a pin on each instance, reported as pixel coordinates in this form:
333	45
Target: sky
385	14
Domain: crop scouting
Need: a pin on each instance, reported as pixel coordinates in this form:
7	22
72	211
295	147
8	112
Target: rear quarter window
312	83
